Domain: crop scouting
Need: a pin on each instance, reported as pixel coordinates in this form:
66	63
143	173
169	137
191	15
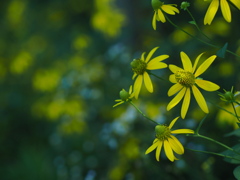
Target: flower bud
156	4
185	5
124	95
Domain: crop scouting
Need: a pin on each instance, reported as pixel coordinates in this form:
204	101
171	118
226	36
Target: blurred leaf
236	172
233	155
221	52
192	22
234	133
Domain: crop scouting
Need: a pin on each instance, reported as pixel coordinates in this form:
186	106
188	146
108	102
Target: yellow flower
165	138
186	80
125	96
159	8
140	67
226	12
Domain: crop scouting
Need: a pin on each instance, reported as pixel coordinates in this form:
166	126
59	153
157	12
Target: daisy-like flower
125	96
165	138
159	9
140	67
226	12
187	80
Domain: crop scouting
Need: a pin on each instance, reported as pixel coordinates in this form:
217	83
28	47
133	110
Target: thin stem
142	113
207	152
237	103
197	25
176	26
217	142
200	125
224	109
157	76
235	111
204	42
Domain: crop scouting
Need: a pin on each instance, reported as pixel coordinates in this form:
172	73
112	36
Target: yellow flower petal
154	21
168	151
152	147
118	103
174	89
159	58
172	123
137	85
211	12
143	56
178	143
182	131
147	82
169	9
134	75
172	78
200	99
161	16
150	54
176	99
158	150
186	102
204	66
225	10
206	85
157	65
174	68
196	62
187	64
236	3
175	147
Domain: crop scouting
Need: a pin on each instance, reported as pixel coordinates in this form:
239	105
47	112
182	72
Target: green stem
142	113
200	125
235	111
224	110
207	152
237	103
204	42
217	142
157	76
195	23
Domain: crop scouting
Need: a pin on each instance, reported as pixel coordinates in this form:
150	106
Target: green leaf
234	133
233	155
221	52
192	22
236	173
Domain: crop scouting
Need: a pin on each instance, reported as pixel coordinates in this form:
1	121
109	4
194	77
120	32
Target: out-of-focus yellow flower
186	80
159	9
226	12
165	138
140	67
125	96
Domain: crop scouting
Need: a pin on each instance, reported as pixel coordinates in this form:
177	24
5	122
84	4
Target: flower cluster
186	80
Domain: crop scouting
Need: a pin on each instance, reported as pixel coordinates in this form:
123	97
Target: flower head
165	138
226	12
159	9
187	80
140	67
125	96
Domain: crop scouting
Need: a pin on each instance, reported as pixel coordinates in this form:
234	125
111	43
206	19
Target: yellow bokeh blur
21	62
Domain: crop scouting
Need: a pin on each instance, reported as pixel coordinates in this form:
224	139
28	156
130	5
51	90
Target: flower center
138	66
185	78
162	132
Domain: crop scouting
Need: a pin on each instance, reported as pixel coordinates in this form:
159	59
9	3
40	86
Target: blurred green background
62	65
